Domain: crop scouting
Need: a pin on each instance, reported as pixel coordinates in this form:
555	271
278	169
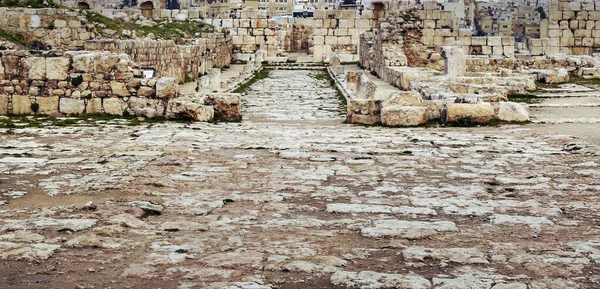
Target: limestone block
93	106
478	113
509	51
587	42
570	6
145	107
537	51
554	33
574	24
119	89
449	41
57	68
4	103
35	67
580	33
58	23
510	111
498	50
346	23
72	106
552	50
318	40
463	41
590	25
83	62
455	63
465	33
344	40
34	21
403	98
74	23
21	104
494	41
167	87
587	6
479	41
508	41
227	23
225	106
404	115
554	76
47	105
186	108
114	106
331	40
145	91
428	32
430	5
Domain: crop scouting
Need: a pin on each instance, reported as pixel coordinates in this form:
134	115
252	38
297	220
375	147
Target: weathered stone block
57	68
114	106
478	113
186	108
35	67
93	106
146	107
21	104
167	87
47	105
510	111
404	115
4	103
119	89
455	63
72	106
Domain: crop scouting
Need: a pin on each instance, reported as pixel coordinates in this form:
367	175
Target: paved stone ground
293	198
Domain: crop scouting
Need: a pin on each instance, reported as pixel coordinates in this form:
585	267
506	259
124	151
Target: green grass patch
13	37
584	81
541	85
524	98
262	74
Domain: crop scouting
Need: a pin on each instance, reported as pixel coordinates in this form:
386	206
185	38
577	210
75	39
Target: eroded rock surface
294	198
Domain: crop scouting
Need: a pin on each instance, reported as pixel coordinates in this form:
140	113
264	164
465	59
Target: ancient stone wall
328	31
77	83
573	29
413	34
58	28
169	59
100	83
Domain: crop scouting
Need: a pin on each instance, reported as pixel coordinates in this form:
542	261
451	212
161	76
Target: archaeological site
299	144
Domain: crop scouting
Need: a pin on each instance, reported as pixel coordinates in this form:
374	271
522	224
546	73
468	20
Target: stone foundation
99	83
169	59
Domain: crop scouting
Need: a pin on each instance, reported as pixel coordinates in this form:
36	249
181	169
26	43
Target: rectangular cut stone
72	106
4	103
57	68
494	41
35	67
47	105
21	104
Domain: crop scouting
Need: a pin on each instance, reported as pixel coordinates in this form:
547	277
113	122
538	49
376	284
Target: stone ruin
416	47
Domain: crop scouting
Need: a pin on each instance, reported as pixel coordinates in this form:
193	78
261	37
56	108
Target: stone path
293	198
